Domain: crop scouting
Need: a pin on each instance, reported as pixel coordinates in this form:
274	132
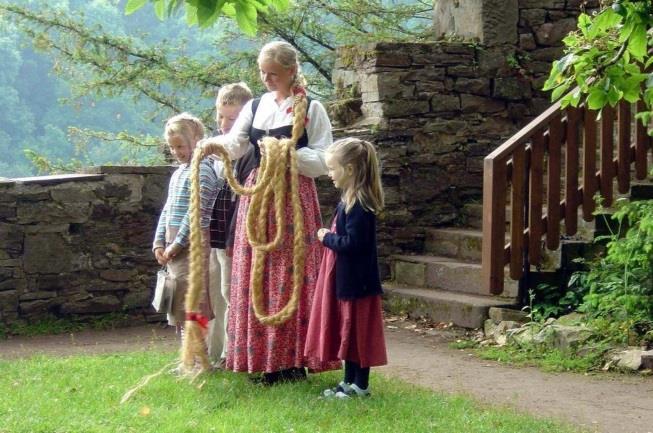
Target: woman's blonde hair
185	125
365	186
286	55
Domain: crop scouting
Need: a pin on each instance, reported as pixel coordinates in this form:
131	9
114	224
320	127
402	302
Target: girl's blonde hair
185	125
286	55
365	186
233	94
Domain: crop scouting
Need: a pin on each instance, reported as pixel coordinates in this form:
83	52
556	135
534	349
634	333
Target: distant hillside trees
122	82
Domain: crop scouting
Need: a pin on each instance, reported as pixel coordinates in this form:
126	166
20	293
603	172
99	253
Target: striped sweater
174	222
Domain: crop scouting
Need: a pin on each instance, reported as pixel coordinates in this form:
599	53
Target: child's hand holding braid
321	233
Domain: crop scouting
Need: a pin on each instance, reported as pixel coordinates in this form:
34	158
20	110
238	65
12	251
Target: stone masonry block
47	253
412	274
492	22
527	41
498	315
532	18
512	88
552	33
445	103
476	86
479	104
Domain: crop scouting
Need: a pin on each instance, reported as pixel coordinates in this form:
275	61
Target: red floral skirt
252	346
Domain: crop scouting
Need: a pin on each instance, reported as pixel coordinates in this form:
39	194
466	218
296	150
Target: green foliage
544	357
48	325
619	285
549	300
607	58
123	82
205	13
78	394
463	344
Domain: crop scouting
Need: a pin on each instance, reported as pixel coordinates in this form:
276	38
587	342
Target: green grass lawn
82	394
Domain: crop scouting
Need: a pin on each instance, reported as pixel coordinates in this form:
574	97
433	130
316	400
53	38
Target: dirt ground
599	403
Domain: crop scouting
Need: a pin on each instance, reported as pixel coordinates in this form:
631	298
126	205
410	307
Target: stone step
468	311
472	215
443	273
459	243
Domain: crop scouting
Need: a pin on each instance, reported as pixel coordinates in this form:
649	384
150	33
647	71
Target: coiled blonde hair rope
279	158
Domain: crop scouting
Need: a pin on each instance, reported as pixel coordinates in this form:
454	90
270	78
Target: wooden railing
527	175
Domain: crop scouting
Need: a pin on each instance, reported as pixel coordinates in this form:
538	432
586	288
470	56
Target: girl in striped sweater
171	241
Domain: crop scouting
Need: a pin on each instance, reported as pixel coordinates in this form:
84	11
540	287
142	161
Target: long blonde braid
194	345
272	185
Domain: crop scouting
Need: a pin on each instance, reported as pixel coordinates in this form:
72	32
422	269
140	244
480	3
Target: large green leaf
191	12
559	91
584	23
208	11
637	42
246	17
160	9
596	99
134	5
606	20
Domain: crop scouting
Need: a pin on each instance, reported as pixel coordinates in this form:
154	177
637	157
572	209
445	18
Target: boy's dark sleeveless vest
256	134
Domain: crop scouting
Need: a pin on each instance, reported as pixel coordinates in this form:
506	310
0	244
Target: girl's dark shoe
293	374
266	379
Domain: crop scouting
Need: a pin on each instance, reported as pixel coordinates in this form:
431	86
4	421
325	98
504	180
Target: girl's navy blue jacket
357	269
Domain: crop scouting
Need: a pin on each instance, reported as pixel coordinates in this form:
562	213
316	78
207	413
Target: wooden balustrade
543	191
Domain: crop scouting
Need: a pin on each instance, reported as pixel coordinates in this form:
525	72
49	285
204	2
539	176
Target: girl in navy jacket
346	321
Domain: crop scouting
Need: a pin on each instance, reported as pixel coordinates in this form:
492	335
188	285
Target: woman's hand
321	232
206	147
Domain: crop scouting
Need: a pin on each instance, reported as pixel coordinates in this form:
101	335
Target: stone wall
79	244
434	110
542	26
531	31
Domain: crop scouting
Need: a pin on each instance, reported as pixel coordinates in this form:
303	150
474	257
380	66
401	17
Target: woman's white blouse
270	115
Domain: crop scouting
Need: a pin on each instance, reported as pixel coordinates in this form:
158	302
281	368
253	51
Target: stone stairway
444	283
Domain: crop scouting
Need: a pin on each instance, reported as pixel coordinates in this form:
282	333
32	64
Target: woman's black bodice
256	134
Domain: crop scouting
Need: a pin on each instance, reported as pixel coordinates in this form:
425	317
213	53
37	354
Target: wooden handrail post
607	158
553	183
571	172
536	193
642	144
517	214
494	224
623	167
589	164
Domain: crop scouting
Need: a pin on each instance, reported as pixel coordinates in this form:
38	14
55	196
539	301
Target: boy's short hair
233	94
